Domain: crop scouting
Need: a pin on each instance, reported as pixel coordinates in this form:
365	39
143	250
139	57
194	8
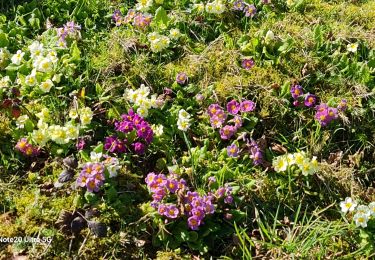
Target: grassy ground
279	218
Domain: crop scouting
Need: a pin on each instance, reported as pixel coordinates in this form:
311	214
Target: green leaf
4	42
75	52
193	236
84	156
286	46
3	19
285	89
161	16
99	148
91	197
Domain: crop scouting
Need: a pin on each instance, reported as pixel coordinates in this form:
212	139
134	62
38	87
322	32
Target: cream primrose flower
352	47
199	7
153	36
95	157
4	55
85	115
31	80
36	49
216	7
40	136
72	130
363	209
58	134
183	121
143	5
290	159
73	113
45	65
154	101
143	91
56	78
52	56
21	121
174	34
347	205
4	82
42	124
307	168
17	58
360	220
280	163
158	130
36	61
142	111
299	158
371	207
182	114
46	86
160	44
270	36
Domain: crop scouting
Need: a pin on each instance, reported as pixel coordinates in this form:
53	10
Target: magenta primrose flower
238	5
310	100
247	106
237	121
114	145
194	222
325	114
181	78
142	20
27	148
227	132
343	105
232	150
171	211
256	153
250	10
233	107
296	91
91	176
213	109
247	64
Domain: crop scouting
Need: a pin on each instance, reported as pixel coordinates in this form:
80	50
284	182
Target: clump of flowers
27	148
184	120
362	213
93	174
305	164
188	205
215	7
138	131
138	19
248	9
71	30
140	98
218	116
325	114
256	153
158	42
